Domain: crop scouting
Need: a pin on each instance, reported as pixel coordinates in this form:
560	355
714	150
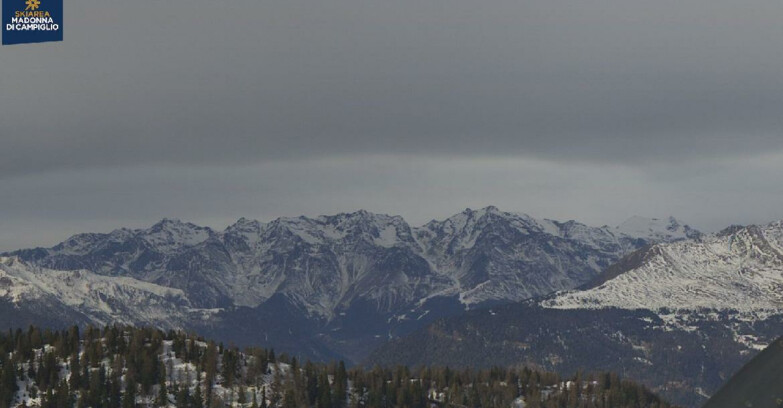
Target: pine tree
129	398
183	397
242	395
163	392
198	399
255	401
324	399
63	397
340	386
115	389
76	371
289	400
8	384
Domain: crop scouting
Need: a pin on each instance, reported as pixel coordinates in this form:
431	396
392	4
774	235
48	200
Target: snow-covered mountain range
354	279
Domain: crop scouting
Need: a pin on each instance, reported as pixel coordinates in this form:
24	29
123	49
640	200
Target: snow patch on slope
103	299
742	271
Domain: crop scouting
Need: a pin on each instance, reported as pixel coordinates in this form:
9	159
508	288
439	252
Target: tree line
127	367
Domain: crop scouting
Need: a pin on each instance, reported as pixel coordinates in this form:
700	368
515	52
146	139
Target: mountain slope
95	298
680	317
741	271
759	384
495	255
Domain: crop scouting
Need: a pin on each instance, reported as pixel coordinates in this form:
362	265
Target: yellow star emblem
32	4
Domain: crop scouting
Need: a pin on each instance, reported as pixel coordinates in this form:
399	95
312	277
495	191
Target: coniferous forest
141	367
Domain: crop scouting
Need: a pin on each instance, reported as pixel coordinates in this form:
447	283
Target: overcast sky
207	111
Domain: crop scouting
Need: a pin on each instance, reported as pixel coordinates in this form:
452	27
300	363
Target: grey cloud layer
195	81
211	110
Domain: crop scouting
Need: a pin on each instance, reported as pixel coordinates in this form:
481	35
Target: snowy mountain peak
490	211
244	230
174	225
360	226
166	221
361	220
471	220
656	229
173	233
245	225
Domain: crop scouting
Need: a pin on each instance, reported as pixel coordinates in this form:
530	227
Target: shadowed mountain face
759	384
680	317
340	284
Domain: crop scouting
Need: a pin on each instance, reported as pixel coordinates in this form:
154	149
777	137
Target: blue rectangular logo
32	21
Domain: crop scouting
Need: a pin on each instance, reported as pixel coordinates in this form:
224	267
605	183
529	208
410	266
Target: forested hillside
132	367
